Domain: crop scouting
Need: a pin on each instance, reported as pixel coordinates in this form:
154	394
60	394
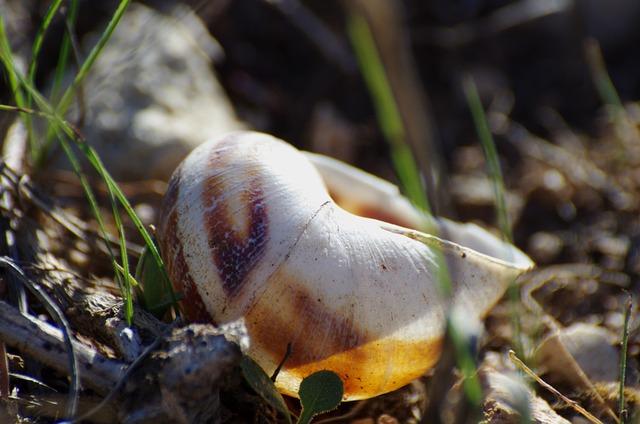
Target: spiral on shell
248	229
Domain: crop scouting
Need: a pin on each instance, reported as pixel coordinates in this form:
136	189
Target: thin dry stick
573	404
56	314
4	372
45	344
77	227
126	374
559	273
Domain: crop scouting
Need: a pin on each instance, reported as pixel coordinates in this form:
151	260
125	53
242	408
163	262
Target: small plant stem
65	101
33	65
387	111
490	154
622	411
493	168
286	356
572	403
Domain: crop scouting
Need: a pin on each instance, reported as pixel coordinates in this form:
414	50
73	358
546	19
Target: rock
579	350
508	398
180	381
152	95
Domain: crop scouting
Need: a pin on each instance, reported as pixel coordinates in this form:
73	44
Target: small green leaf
157	294
320	392
262	385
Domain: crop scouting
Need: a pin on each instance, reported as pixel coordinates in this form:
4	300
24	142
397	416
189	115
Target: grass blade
622	410
493	168
65	47
75	164
387	111
65	101
6	56
606	90
125	276
92	157
33	65
490	153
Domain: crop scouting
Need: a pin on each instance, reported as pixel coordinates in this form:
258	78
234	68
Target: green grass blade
127	284
465	360
65	101
93	159
126	291
491	155
493	168
606	90
33	65
392	126
6	56
39	38
387	111
622	410
66	98
65	48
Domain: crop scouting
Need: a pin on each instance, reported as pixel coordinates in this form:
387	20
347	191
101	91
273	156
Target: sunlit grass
411	182
62	132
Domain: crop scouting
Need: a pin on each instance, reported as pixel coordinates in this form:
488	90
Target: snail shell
248	229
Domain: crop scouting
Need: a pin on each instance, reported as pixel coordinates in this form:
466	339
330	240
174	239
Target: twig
75	226
56	314
563	273
572	403
126	375
4	372
45	343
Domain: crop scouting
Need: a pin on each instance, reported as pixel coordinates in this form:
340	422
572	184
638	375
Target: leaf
263	386
320	392
157	293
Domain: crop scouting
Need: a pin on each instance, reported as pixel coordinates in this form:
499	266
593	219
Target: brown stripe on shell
173	255
234	253
313	329
322	339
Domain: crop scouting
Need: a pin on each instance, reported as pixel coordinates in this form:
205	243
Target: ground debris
180	381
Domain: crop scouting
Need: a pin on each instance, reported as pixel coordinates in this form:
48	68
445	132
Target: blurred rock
581	349
152	95
475	197
545	246
508	399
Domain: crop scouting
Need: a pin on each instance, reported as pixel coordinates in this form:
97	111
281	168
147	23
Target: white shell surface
249	230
